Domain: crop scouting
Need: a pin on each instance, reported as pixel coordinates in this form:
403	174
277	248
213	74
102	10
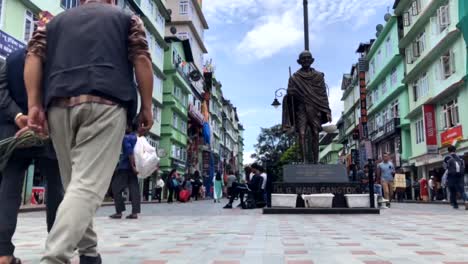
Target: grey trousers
87	139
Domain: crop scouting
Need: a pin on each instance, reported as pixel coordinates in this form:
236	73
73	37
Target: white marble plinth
359	200
323	200
283	200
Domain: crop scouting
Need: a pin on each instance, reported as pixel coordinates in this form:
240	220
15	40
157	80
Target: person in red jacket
424	189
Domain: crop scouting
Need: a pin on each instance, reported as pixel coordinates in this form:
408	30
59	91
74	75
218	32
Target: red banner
430	128
451	135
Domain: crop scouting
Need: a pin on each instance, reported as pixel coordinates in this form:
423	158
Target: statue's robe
305	88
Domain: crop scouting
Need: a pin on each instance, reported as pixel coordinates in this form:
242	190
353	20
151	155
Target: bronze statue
306	106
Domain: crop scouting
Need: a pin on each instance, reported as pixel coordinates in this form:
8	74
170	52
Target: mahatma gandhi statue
306	108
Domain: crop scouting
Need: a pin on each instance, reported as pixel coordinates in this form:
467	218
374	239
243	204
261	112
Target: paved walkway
202	232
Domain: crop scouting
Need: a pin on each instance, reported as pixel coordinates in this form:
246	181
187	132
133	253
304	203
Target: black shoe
240	205
115	216
132	216
90	260
228	206
455	207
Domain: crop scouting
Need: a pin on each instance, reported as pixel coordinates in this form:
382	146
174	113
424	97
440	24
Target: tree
272	144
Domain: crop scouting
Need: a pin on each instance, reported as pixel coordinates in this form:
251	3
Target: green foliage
272	145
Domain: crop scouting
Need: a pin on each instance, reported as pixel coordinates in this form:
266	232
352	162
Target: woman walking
218	188
173	185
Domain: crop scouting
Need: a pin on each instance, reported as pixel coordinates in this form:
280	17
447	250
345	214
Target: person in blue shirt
126	176
386	172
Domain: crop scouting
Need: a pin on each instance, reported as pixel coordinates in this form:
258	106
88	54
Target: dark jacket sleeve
8	108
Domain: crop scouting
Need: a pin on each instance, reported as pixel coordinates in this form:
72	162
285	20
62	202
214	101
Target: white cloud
248	157
275	25
336	105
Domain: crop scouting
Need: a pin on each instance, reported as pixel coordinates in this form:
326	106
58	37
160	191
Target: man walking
13	112
88	54
126	176
455	166
386	172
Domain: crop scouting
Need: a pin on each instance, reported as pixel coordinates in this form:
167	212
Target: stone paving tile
203	233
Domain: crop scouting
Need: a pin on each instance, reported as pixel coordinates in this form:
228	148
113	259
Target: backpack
455	165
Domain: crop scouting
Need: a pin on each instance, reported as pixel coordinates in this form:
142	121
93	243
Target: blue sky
253	42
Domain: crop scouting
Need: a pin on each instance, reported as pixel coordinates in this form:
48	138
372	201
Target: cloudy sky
253	42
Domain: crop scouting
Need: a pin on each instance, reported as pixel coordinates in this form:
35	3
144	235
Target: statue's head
305	59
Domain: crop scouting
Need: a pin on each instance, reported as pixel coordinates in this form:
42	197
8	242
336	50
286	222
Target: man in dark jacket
455	167
13	116
87	98
239	190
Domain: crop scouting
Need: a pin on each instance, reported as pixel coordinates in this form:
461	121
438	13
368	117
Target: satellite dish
162	153
379	27
387	17
195	76
173	30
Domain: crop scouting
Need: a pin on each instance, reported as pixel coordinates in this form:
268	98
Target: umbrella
26	140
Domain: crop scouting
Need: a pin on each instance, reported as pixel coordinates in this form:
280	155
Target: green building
387	97
436	69
176	90
330	149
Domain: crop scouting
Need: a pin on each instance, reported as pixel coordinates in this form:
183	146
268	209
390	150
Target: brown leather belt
78	100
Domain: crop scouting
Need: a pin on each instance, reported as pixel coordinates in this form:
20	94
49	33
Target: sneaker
385	200
228	206
90	260
115	216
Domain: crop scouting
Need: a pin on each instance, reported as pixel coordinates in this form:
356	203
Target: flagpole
306	24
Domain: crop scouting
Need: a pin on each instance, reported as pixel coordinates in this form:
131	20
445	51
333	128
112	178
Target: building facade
435	61
387	97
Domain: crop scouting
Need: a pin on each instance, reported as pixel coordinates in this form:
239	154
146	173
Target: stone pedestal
306	179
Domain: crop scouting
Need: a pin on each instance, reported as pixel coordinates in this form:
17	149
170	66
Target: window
446	66
184	7
369	100
376	95
407	19
419	45
379	59
175	120
183	126
177	92
372	69
67	4
421	87
395	109
394	77
28	25
409	55
384	86
451	114
388	47
158	51
419	127
443	17
416	7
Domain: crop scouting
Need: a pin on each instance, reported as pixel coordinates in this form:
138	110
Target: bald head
305	59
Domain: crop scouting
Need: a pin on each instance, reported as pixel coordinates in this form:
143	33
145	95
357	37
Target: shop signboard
8	44
430	128
38	195
451	135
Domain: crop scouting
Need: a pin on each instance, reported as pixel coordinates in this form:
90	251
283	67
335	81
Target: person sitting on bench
255	185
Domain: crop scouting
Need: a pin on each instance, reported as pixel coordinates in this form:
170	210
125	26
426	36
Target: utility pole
306	24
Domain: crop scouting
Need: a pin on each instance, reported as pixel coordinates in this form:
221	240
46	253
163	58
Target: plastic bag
146	158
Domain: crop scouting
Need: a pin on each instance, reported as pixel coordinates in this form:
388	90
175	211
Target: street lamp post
278	94
306	25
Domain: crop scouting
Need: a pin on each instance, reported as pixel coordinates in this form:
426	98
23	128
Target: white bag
146	158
